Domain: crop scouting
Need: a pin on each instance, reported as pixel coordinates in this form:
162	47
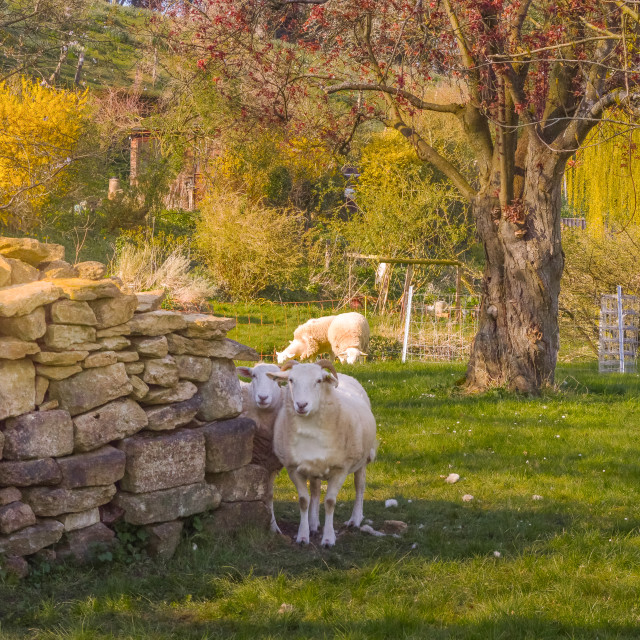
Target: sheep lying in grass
262	398
348	336
345	335
323	432
309	339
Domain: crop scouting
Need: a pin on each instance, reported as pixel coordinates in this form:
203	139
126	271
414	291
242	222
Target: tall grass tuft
149	265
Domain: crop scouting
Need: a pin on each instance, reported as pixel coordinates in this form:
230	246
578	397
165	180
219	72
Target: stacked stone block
111	407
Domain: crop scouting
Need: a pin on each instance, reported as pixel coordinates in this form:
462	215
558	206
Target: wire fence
441	327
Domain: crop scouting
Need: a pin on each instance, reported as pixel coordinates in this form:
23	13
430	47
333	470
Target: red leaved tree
534	79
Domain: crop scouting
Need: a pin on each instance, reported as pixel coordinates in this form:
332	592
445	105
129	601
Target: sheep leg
334	484
303	500
359	478
314	506
274	525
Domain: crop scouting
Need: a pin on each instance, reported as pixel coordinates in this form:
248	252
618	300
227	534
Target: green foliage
248	247
404	208
594	265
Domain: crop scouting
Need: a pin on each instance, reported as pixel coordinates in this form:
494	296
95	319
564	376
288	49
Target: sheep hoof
327	543
302	540
353	522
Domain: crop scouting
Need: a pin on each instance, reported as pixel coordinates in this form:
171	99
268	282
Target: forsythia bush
40	130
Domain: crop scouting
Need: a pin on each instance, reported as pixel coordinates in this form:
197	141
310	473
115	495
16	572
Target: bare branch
409	97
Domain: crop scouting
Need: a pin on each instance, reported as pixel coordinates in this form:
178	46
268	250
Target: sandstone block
64	336
156	347
73	521
42	385
194	368
14	516
127	356
163	539
25	473
56	269
30	250
91	388
9	494
91	270
225	348
161	371
38	435
140	389
150	300
51	372
14	349
110	513
171	416
162	462
49	405
73	312
134	368
221	393
111	332
202	325
162	395
5	273
236	516
16	566
17	387
59	358
21	299
114	343
111	312
156	323
100	359
113	421
93	469
21	272
244	484
28	327
54	501
82	545
31	539
229	444
84	289
167	504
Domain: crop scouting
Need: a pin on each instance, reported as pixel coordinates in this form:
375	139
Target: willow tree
535	77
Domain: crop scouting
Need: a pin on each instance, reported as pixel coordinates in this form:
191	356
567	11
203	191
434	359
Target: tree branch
427	153
409	97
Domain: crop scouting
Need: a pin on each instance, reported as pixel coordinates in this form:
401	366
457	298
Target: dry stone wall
112	408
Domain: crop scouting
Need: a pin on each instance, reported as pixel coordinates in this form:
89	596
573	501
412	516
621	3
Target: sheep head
264	390
307	384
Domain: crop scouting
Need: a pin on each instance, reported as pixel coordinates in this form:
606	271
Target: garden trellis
619	331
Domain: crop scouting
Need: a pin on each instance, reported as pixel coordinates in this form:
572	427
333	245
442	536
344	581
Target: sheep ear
245	372
329	377
278	375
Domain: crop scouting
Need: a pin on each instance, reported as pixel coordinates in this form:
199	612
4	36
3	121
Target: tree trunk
517	341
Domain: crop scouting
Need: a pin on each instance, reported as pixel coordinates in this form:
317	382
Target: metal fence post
407	322
620	330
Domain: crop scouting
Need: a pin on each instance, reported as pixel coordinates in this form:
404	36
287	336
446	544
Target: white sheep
348	336
261	401
309	339
439	308
323	432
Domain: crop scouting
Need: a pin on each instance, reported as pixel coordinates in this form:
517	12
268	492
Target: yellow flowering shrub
40	131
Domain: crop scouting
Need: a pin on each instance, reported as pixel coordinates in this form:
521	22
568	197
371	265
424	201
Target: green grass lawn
568	564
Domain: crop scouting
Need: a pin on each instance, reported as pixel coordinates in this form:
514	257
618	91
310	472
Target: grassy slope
568	565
